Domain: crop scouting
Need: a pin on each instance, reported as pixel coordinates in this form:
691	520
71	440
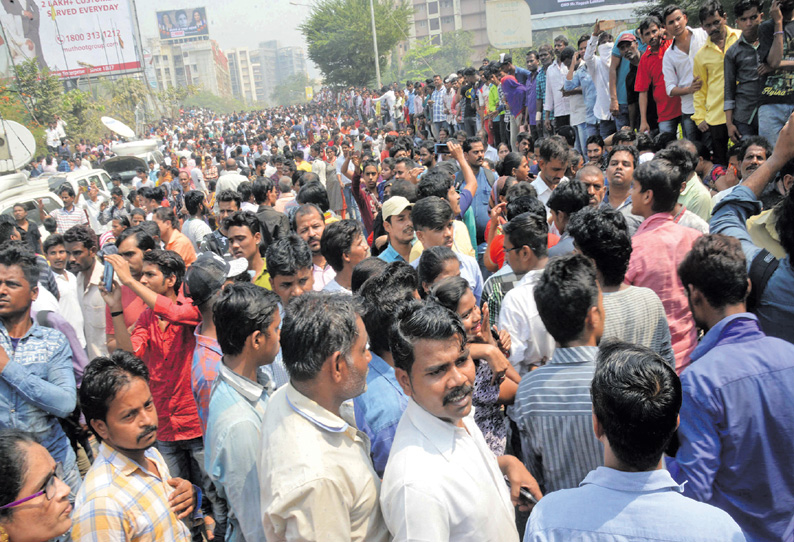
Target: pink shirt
657	248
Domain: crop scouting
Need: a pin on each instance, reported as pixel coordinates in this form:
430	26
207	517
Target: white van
82	178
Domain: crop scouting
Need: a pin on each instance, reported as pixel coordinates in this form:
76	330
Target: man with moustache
127	493
399	228
309	224
442	482
621	162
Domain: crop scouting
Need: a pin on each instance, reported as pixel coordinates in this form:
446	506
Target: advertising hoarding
182	23
70	37
550	6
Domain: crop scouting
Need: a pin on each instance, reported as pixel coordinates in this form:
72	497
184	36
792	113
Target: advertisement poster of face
182	23
70	38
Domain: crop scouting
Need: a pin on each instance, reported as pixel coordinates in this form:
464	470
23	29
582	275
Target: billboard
182	23
71	38
551	6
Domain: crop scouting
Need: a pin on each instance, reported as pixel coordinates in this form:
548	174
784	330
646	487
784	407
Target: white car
82	178
17	189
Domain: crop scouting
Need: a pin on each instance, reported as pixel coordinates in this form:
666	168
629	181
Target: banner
550	6
182	23
508	24
70	37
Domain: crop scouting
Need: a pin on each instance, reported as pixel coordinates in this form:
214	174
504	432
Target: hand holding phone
107	277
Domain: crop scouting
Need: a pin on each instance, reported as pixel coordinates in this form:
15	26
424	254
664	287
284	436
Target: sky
238	23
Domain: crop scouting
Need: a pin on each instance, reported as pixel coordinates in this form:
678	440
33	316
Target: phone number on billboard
88	36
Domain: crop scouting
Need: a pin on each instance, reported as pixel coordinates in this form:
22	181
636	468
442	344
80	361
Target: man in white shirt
68	304
678	62
230	179
554	101
553	163
442	482
316	476
531	343
598	66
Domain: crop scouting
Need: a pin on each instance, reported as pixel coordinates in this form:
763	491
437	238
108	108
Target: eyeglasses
48	490
508	250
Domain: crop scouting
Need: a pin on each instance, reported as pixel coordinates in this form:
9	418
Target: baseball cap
207	274
628	36
394	206
451	78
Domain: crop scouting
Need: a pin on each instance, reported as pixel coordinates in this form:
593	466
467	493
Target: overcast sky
237	23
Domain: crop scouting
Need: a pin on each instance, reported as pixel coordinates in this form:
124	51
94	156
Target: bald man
230	179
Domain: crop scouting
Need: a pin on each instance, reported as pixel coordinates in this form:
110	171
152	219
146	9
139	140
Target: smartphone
441	148
107	277
357	145
524	494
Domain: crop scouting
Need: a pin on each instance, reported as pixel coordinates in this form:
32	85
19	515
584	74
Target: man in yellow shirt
709	66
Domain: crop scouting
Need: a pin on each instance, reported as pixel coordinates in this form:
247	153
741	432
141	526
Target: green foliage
292	91
208	100
173	97
339	35
40	89
425	60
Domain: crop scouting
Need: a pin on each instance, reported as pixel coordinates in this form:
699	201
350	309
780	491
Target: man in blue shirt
397	223
736	436
37	383
636	398
775	304
248	322
379	409
474	152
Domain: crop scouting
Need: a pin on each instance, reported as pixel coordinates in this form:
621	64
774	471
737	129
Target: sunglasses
48	488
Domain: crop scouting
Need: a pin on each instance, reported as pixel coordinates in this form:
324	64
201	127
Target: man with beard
442	482
80	243
127	494
309	224
315	472
621	162
623	101
734	394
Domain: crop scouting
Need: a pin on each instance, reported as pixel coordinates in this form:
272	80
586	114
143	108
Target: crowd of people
554	300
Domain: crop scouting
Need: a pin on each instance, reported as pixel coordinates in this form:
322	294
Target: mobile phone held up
107	277
524	495
441	148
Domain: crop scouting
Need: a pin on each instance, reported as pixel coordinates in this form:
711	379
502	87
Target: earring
3	534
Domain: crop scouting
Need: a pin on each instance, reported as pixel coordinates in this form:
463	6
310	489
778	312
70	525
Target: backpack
762	268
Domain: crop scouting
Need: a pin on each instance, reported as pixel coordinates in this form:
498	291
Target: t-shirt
623	69
469	97
778	86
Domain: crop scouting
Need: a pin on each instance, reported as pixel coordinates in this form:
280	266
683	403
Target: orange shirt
182	246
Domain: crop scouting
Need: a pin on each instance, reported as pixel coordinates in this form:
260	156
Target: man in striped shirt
553	409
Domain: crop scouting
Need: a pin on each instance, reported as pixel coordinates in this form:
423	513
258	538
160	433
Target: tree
204	99
40	89
425	60
291	91
173	97
339	35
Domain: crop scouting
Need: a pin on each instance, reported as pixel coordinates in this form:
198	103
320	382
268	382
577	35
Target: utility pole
375	43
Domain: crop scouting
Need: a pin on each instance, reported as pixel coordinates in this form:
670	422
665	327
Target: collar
34	330
96	274
207	342
319	416
245	387
441	434
654	221
731	36
126	465
632	482
531	278
713	337
574	354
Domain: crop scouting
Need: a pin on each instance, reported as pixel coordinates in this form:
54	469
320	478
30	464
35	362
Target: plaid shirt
438	105
120	500
206	362
541	83
495	289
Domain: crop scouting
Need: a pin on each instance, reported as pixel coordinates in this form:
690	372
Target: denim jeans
470	125
690	129
747	129
606	128
581	138
185	459
622	118
771	118
669	126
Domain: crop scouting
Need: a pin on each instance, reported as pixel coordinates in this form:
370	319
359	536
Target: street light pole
375	43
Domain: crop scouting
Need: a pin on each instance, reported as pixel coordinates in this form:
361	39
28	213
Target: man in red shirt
659	247
164	339
649	73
